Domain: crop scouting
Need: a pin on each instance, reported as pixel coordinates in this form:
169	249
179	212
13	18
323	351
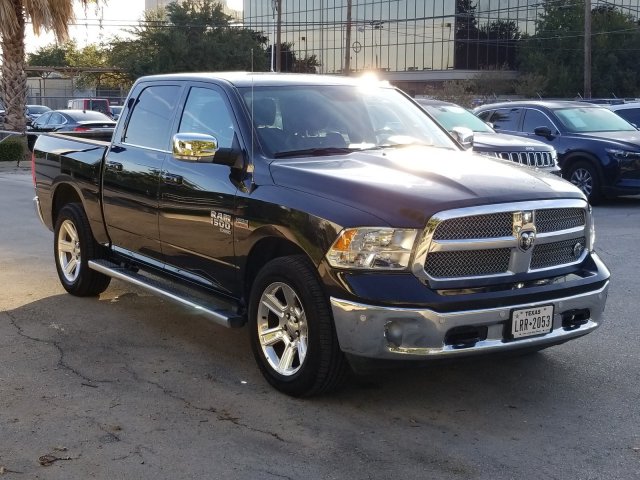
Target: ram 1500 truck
332	216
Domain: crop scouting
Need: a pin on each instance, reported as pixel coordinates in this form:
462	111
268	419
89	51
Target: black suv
487	141
597	150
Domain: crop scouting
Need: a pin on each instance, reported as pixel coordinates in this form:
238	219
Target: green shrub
13	149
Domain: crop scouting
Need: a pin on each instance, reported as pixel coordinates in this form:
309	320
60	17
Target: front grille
479	242
532	159
467	263
493	225
556	253
555	219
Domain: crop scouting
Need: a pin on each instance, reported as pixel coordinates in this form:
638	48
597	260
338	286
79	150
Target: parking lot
129	386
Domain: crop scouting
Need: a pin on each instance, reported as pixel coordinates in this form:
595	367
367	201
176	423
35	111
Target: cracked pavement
129	386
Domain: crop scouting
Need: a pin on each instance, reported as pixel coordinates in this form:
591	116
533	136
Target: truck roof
246	79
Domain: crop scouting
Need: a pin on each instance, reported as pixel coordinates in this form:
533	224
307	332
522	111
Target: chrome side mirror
464	136
194	147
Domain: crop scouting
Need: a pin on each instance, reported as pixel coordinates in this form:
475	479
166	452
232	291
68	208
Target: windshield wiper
315	152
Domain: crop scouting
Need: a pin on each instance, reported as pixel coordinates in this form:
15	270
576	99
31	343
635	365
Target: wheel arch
63	194
263	251
575	157
65	191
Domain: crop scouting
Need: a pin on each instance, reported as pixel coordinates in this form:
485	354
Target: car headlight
372	248
623	154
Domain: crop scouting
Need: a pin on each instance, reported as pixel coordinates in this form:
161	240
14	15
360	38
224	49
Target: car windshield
451	116
334	119
592	119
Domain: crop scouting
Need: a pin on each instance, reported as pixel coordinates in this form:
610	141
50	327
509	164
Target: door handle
171	178
114	166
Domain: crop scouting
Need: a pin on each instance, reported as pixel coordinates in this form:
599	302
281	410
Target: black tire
585	176
74	246
305	318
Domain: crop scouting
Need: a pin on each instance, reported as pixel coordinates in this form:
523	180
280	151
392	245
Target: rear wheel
585	176
74	246
291	327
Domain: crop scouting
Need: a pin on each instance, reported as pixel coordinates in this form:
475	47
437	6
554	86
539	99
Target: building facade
405	40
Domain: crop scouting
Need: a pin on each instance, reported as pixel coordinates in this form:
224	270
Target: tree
54	15
556	50
289	62
191	36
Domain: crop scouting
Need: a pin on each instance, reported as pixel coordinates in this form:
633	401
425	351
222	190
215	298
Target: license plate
531	321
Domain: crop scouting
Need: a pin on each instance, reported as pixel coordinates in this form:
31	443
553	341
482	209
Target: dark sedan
597	150
92	122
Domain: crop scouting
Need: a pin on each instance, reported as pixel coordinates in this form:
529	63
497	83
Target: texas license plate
531	321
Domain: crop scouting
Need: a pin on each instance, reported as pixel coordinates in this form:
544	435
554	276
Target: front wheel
74	246
585	176
292	332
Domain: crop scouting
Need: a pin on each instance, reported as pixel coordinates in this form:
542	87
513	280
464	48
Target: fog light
393	333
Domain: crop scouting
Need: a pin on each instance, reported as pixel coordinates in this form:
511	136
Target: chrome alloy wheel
583	179
69	251
282	328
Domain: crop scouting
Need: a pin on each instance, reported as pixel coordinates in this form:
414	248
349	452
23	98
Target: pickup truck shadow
130	333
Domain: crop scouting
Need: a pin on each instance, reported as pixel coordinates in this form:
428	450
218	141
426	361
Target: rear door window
152	117
506	119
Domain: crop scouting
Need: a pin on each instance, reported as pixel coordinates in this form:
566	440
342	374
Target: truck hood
405	186
493	142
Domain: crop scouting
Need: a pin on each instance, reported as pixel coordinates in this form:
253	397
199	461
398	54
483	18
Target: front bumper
404	333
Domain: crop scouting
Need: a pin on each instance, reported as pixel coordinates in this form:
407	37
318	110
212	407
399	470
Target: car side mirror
543	132
464	136
194	147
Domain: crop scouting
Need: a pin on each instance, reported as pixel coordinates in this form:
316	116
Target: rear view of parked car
96	124
487	141
598	151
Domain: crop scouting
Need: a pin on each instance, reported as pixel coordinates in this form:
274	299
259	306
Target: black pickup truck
332	216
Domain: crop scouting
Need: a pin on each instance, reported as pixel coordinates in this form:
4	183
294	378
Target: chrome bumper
399	333
36	205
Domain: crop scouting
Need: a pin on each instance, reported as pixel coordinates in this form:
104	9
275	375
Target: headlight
623	154
372	248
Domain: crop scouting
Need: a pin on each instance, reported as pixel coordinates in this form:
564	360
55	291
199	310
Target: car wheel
74	246
585	176
291	327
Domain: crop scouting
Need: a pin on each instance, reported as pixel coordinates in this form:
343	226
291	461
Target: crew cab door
131	173
197	200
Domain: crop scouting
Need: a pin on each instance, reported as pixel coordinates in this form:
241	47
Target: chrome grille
554	219
476	226
556	253
467	263
492	240
532	159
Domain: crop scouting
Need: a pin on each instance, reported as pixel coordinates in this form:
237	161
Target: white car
630	111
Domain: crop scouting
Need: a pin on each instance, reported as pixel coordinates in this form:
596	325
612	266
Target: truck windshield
312	119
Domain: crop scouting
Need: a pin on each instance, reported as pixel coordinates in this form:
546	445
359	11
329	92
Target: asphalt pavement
127	386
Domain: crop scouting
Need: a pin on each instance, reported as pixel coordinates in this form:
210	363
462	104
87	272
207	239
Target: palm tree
54	15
